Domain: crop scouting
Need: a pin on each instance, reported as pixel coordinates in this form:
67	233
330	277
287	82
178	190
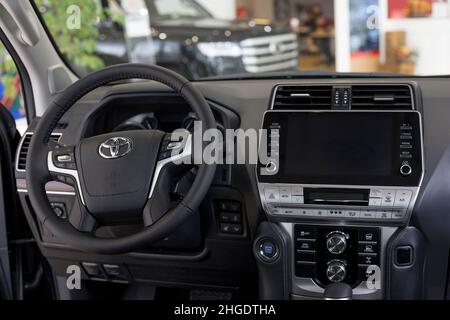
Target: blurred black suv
183	36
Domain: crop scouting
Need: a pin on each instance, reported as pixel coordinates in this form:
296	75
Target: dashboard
359	179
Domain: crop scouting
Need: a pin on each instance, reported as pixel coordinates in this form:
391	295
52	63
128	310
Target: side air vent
23	150
303	98
382	97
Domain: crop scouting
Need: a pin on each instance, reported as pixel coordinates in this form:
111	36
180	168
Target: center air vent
382	97
302	98
23	150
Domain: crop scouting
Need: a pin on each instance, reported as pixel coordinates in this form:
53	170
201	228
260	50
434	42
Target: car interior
346	201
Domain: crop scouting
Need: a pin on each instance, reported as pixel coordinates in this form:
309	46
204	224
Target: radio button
384	214
297	191
336	213
352	213
367	214
403	198
322	213
285	194
374	202
297	199
272	194
289	211
398	214
376	193
388	198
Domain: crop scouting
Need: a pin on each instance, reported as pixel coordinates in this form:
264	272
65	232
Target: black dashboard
269	242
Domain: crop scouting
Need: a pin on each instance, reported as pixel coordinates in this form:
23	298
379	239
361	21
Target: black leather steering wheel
118	177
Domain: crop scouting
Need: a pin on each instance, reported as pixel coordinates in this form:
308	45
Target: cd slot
337	197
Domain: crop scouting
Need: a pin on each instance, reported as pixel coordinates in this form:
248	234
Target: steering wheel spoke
174	161
62	166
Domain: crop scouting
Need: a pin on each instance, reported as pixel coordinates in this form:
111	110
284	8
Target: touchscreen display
346	148
328	144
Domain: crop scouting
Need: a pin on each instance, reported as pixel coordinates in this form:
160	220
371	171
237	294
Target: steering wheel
118	177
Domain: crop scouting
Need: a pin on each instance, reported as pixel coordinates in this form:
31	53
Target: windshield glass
210	38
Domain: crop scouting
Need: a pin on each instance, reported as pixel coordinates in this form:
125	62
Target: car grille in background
23	149
269	54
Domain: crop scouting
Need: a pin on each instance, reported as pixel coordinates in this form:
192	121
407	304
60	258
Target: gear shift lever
338	291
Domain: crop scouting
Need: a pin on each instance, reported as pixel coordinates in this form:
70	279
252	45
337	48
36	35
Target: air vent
382	97
303	98
23	150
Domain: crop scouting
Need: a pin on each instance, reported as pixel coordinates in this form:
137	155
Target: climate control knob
336	271
337	242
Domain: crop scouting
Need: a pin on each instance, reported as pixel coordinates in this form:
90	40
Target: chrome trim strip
267	40
21	145
58	193
187	153
272	67
73	173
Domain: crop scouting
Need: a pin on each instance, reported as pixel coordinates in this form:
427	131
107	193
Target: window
11	89
207	38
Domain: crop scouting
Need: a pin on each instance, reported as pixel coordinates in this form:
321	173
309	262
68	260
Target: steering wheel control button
268	250
64	158
114	272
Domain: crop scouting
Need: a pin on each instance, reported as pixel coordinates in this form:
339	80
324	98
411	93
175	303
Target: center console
339	184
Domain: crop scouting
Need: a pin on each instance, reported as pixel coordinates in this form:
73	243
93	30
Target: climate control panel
334	254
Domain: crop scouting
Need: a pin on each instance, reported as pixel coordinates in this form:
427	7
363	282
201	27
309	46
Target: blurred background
210	38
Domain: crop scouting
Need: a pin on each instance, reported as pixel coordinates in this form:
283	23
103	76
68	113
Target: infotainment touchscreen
347	148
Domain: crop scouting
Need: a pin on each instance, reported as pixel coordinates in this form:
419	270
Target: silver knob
337	242
336	271
406	169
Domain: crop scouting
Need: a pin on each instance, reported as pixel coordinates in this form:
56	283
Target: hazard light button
272	194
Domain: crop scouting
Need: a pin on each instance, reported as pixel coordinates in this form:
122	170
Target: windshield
214	38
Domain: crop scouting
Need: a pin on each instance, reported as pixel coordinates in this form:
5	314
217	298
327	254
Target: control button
290	211
398	214
306	256
114	271
297	191
306	245
352	213
322	213
384	214
297	199
92	269
368	235
174	145
272	194
365	214
368	259
337	242
230	217
231	228
267	250
59	209
368	247
305	232
374	202
230	206
406	170
285	194
271	167
336	271
404	256
388	198
335	213
403	198
376	193
304	269
305	212
64	158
